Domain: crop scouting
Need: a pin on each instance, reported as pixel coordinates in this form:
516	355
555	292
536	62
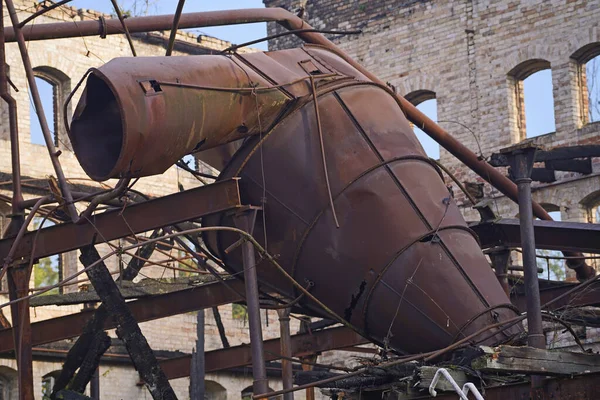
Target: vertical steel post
95	385
521	159
18	287
244	220
286	351
500	258
197	375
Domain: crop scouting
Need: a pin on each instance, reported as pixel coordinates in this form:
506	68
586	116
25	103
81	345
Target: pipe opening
97	130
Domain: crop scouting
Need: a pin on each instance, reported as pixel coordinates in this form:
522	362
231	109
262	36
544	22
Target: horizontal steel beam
551	235
137	218
146	309
589	296
239	356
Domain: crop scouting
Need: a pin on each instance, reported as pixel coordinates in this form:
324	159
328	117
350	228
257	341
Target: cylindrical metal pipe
286	350
95	385
138	116
534	316
17	196
39	109
245	221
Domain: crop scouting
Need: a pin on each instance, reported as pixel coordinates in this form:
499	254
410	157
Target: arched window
532	100
8	383
48	270
214	391
426	102
54	87
587	60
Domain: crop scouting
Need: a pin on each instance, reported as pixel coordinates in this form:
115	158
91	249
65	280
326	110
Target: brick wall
465	51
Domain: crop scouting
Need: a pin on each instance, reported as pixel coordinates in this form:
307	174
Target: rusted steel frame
39	108
239	356
168	210
122	21
245	221
551	235
175	27
128	329
561	296
43	11
146	309
287	375
18	285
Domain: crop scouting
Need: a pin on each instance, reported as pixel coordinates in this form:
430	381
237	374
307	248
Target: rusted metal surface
551	235
245	220
549	291
18	284
146	309
521	160
239	356
130	104
287	374
168	210
395	233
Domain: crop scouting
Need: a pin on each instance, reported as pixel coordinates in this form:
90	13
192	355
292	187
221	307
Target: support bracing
244	220
128	329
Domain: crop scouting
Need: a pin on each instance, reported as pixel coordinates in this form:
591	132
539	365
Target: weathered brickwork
64	62
473	54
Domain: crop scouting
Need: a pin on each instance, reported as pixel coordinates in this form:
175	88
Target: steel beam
137	218
551	235
589	296
239	356
146	309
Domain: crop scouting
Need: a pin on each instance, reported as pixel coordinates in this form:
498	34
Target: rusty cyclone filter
403	266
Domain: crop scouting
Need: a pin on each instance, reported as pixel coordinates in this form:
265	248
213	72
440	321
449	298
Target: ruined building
472	58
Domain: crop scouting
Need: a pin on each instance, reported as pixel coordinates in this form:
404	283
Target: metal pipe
95	385
521	160
40	110
286	351
122	21
245	221
176	20
17	196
